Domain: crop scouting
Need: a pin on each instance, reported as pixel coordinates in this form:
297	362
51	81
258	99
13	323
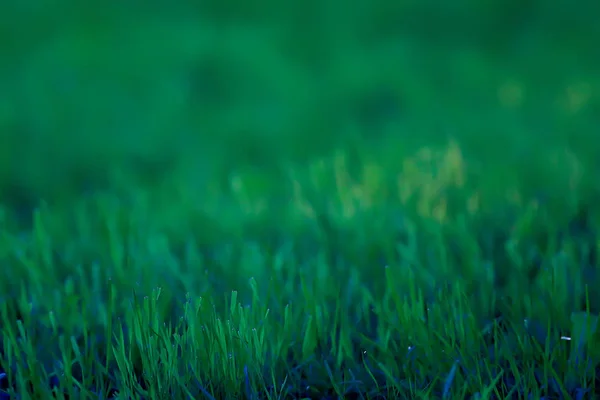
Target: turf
271	211
339	299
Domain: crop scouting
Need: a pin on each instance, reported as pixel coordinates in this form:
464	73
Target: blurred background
93	91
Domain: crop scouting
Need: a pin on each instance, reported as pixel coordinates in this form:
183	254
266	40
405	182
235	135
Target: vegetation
244	206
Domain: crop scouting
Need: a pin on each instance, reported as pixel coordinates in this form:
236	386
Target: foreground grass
333	282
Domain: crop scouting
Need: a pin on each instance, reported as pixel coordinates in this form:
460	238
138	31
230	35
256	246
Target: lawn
386	201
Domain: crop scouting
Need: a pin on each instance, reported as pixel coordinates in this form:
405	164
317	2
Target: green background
204	88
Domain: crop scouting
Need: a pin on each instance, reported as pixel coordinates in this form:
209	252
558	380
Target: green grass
397	200
339	292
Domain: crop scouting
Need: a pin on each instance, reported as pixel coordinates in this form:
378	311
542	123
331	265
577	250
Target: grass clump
368	282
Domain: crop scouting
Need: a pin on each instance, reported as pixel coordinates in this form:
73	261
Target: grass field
397	201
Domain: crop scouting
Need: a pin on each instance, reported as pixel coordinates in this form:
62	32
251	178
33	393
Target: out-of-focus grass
216	89
272	202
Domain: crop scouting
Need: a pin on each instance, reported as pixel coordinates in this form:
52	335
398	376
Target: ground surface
287	201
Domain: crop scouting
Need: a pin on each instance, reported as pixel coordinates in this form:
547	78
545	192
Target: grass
335	294
269	210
